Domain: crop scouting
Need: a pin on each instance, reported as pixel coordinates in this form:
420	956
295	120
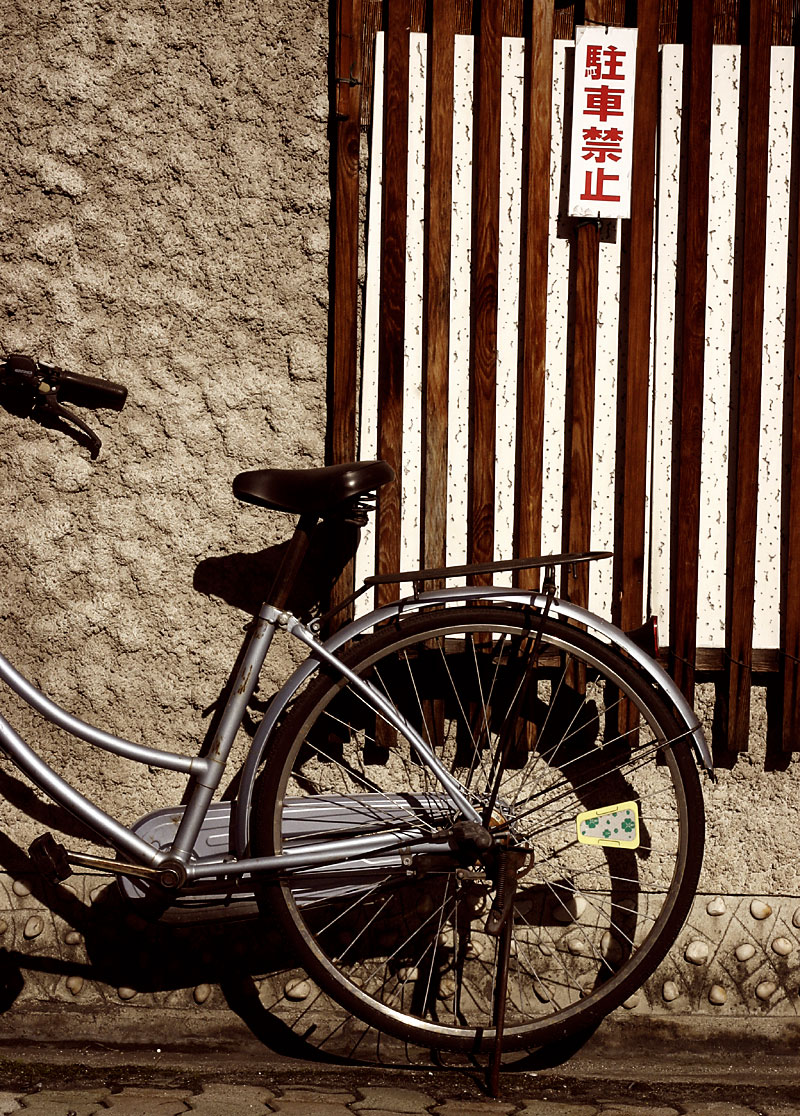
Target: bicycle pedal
50	858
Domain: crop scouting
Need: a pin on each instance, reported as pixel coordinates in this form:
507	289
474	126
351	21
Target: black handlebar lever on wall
40	390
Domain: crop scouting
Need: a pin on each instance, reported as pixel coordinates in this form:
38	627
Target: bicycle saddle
311	491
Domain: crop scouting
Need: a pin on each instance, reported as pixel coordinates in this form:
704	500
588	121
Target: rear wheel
591	810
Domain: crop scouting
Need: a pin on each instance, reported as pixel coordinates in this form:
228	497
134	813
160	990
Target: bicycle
475	810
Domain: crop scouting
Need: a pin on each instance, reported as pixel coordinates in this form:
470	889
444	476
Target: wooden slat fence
541	382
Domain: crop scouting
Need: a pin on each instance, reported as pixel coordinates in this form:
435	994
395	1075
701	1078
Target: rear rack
444	572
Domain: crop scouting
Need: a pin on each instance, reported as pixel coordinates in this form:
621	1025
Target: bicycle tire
405	949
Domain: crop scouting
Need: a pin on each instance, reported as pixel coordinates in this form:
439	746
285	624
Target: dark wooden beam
483	319
698	25
436	296
393	282
746	403
535	232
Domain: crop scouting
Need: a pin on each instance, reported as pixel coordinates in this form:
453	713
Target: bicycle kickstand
500	924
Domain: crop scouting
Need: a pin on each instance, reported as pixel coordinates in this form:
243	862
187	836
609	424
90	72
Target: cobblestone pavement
441	1095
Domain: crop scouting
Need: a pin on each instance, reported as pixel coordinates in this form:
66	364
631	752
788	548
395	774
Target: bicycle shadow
244	580
120	952
119	949
248	960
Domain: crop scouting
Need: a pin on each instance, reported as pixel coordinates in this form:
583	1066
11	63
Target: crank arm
117	867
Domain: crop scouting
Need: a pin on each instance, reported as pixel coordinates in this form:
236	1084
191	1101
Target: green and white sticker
612	827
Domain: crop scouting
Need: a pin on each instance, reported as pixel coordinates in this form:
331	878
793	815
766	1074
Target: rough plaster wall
750	845
165	224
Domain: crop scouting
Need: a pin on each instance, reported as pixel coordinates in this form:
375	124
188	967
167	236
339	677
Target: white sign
602	122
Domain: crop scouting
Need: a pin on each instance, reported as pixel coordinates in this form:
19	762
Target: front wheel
585	784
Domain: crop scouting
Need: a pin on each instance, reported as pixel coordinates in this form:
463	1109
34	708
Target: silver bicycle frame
205	772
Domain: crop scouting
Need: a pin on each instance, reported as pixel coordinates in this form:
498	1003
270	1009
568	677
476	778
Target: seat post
292	560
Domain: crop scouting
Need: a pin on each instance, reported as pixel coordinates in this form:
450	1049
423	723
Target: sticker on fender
612	827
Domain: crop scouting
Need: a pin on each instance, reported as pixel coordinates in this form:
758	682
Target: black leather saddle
311	491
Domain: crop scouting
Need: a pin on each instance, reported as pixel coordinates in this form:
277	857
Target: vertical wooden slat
564	23
668	21
637	282
371	19
463	17
639	267
790	605
698	22
580	410
784	12
436	322
485	243
347	109
727	21
345	308
392	284
514	16
747	404
534	248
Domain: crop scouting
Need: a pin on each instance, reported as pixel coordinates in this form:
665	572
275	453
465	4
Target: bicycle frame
206	772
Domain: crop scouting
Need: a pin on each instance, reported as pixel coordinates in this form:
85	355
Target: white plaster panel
766	619
556	337
415	270
460	234
508	272
604	448
368	417
368	428
719	326
666	262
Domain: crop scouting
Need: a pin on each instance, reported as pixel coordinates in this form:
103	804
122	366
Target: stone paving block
68	1106
557	1108
377	1111
309	1108
392	1100
58	1102
717	1108
638	1110
233	1100
474	1108
628	1109
147	1102
213	1106
313	1093
224	1090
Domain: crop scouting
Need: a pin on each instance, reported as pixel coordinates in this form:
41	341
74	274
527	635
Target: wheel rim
408	949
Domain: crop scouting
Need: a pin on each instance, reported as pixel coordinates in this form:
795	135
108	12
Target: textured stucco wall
165	223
